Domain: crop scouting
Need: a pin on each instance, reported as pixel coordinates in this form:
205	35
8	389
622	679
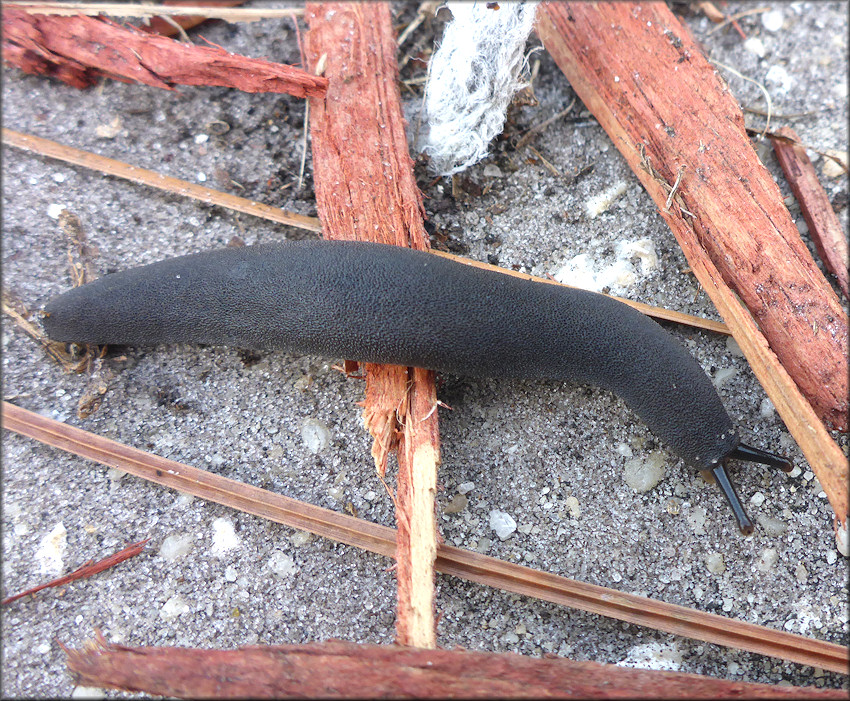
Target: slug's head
748	454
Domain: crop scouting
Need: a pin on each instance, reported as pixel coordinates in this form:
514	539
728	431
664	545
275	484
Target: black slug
385	304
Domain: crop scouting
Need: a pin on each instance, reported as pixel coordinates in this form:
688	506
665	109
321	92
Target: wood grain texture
337	669
664	106
365	191
78	50
636	67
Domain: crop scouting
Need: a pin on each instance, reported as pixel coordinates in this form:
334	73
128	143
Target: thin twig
760	86
227	14
732	19
87	570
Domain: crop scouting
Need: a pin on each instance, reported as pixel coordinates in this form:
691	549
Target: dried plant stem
142	176
121	9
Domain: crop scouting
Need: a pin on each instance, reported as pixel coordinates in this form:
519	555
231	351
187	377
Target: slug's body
386	304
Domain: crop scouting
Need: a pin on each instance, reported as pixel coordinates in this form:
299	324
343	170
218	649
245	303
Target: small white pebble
491	170
282	564
723	375
336	493
772	526
766	408
773	20
173	608
642	474
176	546
230	574
316	435
573	506
715	564
768	559
831	557
300	538
727	605
733	347
757	499
201	138
88	692
755	46
54	210
503	524
465	487
59	177
224	536
202	177
841	540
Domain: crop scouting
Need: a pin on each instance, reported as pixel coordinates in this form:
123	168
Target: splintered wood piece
824	227
337	669
79	49
365	191
637	68
665	108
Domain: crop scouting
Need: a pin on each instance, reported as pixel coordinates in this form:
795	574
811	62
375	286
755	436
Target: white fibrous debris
598	204
472	77
502	523
580	270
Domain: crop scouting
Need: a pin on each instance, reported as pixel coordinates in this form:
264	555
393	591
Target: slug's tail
748	454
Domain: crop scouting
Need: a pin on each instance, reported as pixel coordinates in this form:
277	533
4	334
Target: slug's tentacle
385	304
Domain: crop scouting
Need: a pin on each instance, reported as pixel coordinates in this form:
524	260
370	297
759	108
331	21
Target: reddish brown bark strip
641	74
647	82
69	48
338	669
365	190
824	227
473	567
87	570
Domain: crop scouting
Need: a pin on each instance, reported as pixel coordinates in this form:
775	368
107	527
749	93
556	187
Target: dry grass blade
68	154
120	9
461	563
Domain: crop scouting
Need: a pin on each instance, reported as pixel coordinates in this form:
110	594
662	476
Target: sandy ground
553	457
